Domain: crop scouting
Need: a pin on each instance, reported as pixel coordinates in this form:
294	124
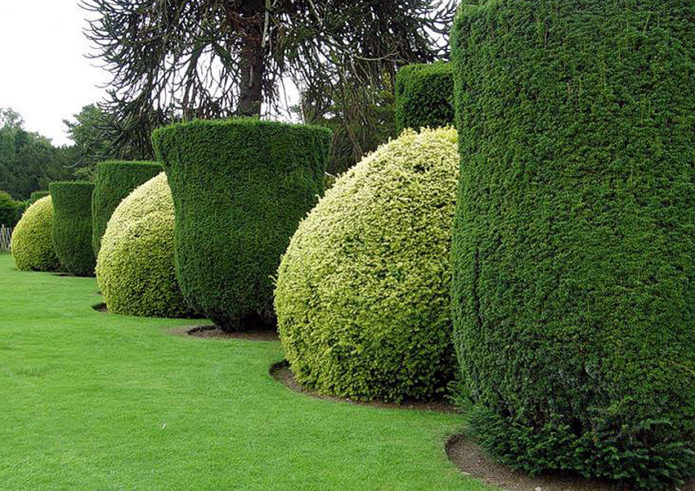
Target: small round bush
114	180
135	267
362	293
72	225
32	243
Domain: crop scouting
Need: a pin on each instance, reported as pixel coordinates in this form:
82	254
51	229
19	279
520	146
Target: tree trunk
251	63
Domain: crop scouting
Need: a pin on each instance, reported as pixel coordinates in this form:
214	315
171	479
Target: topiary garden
240	187
32	239
114	180
574	280
379	236
535	265
135	267
72	226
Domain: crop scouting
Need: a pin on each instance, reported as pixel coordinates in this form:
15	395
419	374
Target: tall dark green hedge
574	245
424	96
37	195
114	181
8	210
72	225
240	188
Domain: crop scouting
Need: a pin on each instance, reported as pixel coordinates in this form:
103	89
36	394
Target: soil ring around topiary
100	307
214	332
472	460
281	372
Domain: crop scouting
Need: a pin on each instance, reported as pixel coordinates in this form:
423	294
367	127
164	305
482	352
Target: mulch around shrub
214	332
281	372
472	460
100	307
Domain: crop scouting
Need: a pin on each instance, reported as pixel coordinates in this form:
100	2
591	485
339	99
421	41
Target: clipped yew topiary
362	296
114	180
72	225
574	279
240	188
37	195
32	240
424	96
135	267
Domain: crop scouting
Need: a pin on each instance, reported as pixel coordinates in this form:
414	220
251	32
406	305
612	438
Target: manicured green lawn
97	401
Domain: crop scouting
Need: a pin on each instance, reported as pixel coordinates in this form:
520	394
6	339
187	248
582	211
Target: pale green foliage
135	268
362	293
32	242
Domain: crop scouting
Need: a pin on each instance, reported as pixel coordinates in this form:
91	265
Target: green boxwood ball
32	242
135	267
362	293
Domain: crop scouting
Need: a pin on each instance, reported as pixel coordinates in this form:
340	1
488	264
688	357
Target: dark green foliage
114	180
574	279
8	210
424	96
37	195
240	188
72	225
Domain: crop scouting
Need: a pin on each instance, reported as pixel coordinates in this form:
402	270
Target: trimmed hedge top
424	96
135	267
574	278
362	295
72	225
114	180
240	188
32	239
37	195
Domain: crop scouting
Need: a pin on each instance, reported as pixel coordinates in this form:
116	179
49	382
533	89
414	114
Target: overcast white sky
44	74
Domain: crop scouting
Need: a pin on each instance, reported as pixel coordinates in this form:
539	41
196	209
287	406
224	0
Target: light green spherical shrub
362	293
32	243
135	267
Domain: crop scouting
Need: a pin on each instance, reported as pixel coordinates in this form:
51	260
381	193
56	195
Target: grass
99	401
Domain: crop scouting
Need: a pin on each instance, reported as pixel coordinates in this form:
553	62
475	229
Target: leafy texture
115	179
135	267
362	294
72	225
574	280
240	188
424	96
37	195
32	242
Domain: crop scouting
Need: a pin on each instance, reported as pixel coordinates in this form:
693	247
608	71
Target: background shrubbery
135	267
362	294
240	188
574	283
32	239
72	225
114	180
424	96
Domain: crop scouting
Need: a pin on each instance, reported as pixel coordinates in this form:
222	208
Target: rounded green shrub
32	240
72	225
135	267
424	96
37	195
362	294
114	180
574	279
240	188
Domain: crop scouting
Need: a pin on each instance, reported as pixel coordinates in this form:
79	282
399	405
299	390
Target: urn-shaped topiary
114	180
240	188
135	267
72	225
362	292
574	279
32	241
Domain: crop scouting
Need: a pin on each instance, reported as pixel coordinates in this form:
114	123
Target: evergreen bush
424	96
240	187
72	225
574	279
